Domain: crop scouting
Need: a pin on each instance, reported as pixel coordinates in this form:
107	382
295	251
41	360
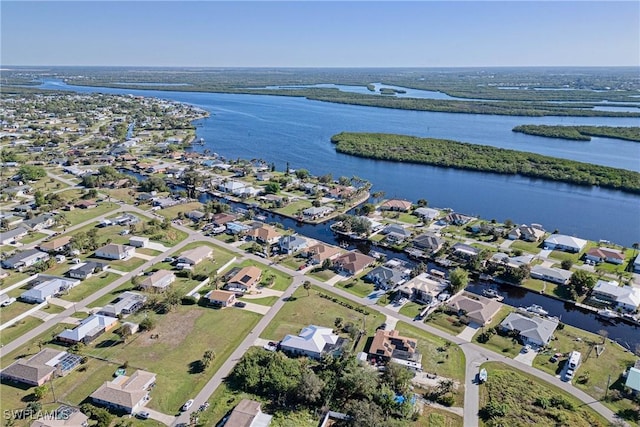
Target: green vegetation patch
483	158
581	133
513	398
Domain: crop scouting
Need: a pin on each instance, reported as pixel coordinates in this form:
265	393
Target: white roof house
624	297
194	256
565	243
636	265
47	289
88	329
551	274
114	251
313	341
533	329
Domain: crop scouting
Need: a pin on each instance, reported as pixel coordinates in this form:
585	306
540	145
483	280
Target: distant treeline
483	158
581	133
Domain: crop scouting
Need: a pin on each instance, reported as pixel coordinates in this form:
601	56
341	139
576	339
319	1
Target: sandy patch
171	329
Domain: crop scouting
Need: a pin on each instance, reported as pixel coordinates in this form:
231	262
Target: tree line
483	158
581	133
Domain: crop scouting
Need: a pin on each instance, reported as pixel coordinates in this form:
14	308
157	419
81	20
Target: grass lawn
106	299
303	310
127	264
411	309
435	417
438	356
447	322
32	237
293	262
323	275
89	286
268	301
13	310
535	284
147	251
516	393
173	211
184	335
561	256
356	286
13	278
48	184
78	216
531	247
614	360
123	194
498	343
12	332
292	208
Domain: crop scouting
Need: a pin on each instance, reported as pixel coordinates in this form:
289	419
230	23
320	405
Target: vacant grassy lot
32	237
184	335
173	211
447	322
531	247
78	216
293	208
303	310
89	286
521	399
434	417
356	286
323	275
12	332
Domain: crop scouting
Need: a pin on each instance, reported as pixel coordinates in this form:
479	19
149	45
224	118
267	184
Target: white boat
536	309
491	293
482	376
607	314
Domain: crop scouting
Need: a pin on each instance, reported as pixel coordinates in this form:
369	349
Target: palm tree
307	286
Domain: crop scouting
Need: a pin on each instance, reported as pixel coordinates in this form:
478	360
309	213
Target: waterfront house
598	255
313	341
501	258
391	346
422	289
11	236
625	298
245	280
474	308
222	218
633	379
393	273
236	228
85	270
531	329
529	233
88	329
550	274
219	298
313	213
320	252
247	413
428	243
115	252
465	251
426	214
264	234
25	259
158	281
127	303
352	263
396	205
195	215
564	243
195	256
231	186
126	394
41	367
455	218
636	264
396	233
291	244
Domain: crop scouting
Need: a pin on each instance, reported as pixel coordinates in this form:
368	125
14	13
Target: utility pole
606	390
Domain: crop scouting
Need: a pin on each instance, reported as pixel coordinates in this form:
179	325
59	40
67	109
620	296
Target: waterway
297	131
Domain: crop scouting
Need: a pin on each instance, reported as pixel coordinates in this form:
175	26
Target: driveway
468	332
157	246
391	322
159	416
527	358
256	308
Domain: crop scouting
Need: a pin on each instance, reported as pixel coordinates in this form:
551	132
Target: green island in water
483	158
581	133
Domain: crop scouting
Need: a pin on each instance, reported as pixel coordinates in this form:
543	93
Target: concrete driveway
159	416
527	358
256	308
468	332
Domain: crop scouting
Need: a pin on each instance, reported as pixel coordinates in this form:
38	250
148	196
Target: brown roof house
221	298
396	205
352	263
40	367
604	255
248	414
264	234
159	281
244	280
318	253
56	245
474	308
195	256
125	394
390	346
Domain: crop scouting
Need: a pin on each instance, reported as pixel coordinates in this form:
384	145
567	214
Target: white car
187	405
143	415
7	302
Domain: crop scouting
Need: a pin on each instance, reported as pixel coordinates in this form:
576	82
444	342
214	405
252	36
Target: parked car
569	375
240	304
143	415
7	302
187	405
169	259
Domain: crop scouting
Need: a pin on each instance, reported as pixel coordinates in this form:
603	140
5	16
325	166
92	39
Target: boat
482	376
536	309
605	313
491	293
201	141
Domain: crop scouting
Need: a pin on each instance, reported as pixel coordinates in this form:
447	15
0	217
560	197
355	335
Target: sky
320	34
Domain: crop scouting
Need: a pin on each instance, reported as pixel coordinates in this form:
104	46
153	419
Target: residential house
222	218
85	270
427	214
550	274
633	379
88	329
561	242
636	264
59	244
244	280
263	176
291	244
234	227
247	413
138	241
396	205
474	308
313	341
126	219
25	259
196	255
195	216
126	394
164	202
396	233
127	303
501	258
10	220
393	273
64	416
391	346
24	208
313	213
86	204
41	367
455	218
529	233
39	222
264	234
17	191
423	289
625	298
115	252
158	281
221	298
231	186
534	330
465	251
428	243
599	255
11	236
320	252
352	263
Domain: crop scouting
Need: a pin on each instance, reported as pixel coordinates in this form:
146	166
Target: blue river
296	130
